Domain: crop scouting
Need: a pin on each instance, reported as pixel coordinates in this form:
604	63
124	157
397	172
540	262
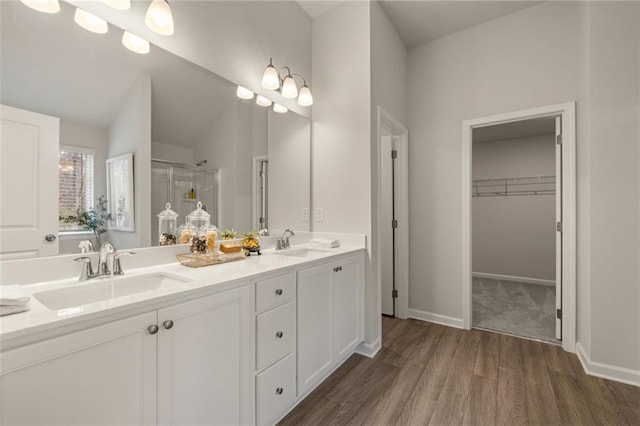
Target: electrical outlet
305	214
319	214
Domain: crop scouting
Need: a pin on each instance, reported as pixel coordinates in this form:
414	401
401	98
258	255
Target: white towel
325	243
13	295
8	310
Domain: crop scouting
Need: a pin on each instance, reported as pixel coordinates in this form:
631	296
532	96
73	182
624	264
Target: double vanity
235	343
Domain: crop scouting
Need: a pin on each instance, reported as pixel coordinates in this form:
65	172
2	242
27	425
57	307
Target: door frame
397	129
567	111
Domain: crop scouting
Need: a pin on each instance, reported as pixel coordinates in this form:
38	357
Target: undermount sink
100	290
305	252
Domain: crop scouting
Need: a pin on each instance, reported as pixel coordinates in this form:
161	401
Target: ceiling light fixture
90	22
159	18
273	79
279	109
244	93
118	4
135	43
262	101
46	6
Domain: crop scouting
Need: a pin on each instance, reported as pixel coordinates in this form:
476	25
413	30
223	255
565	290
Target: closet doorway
519	224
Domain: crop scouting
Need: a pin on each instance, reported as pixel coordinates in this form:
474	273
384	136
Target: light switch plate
305	214
319	214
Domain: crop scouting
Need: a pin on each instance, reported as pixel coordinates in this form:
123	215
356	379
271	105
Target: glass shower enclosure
182	185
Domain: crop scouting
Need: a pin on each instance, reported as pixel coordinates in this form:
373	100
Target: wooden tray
194	260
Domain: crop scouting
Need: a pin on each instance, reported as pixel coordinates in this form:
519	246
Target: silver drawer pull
167	324
279	391
153	329
279	334
279	292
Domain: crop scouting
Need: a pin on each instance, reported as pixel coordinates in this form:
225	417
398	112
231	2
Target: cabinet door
206	359
314	313
348	297
105	374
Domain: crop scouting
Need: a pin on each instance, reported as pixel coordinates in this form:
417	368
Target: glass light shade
305	98
270	78
159	18
46	6
289	88
279	108
90	22
262	101
134	43
244	93
118	4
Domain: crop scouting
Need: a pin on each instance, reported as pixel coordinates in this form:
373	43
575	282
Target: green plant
94	220
227	234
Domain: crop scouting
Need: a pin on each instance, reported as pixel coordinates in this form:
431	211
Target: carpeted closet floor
522	309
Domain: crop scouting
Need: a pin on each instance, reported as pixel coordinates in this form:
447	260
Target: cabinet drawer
275	291
275	391
275	335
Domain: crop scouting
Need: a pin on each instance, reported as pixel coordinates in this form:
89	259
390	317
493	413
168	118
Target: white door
206	360
387	232
29	145
315	336
558	227
347	313
102	375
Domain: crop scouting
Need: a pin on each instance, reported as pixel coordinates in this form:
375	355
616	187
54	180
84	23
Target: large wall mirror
191	137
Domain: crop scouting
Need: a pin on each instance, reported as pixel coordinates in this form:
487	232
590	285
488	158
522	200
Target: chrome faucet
283	242
108	263
103	265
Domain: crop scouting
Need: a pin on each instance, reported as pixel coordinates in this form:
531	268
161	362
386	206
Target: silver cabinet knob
279	292
279	335
153	329
50	238
279	391
167	324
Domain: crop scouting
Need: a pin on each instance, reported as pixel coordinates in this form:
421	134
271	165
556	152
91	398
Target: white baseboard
606	371
513	278
436	318
369	349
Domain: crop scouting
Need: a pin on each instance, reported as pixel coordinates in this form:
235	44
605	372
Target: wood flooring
428	374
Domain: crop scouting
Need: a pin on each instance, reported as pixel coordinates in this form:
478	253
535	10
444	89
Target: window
75	168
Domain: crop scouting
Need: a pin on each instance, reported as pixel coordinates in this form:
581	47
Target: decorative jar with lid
167	226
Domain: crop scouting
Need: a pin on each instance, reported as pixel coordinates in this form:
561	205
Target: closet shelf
503	187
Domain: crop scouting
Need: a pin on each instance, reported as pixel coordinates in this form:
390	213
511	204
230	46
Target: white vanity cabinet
330	299
185	364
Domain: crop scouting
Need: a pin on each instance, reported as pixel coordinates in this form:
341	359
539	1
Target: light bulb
279	109
46	6
289	88
244	93
305	98
262	101
134	43
118	4
159	18
270	78
90	22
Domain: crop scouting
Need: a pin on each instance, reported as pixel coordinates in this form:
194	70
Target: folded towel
325	243
8	310
13	295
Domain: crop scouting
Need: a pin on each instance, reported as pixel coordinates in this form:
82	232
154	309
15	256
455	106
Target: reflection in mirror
111	101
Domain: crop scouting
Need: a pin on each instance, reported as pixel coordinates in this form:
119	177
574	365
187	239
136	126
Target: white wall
173	153
130	132
341	131
289	174
234	39
514	235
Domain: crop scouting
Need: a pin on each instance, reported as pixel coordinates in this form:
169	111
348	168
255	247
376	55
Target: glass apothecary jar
202	232
167	226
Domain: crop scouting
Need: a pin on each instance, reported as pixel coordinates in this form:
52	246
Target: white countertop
202	280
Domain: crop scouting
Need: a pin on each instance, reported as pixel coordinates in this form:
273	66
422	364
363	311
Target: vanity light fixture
159	18
46	6
279	109
262	101
273	79
135	44
90	22
244	93
118	4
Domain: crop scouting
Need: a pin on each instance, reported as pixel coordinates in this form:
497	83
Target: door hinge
394	223
394	154
558	139
394	294
559	313
559	226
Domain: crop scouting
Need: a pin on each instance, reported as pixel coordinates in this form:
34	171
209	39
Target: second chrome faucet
108	263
